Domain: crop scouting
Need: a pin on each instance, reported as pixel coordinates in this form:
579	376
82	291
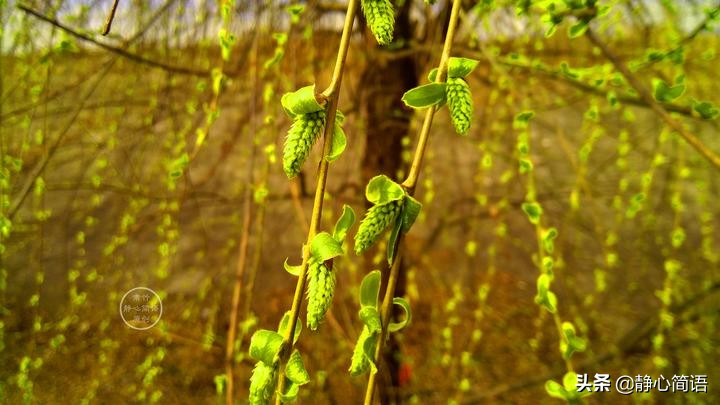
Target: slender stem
409	184
331	94
645	95
110	17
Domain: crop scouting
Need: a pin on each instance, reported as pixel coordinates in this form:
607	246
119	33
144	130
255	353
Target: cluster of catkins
380	18
459	100
320	291
304	132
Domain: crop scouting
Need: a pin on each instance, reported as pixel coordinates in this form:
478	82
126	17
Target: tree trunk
388	121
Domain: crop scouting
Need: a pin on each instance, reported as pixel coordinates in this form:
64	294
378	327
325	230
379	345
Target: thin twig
116	50
409	185
331	94
110	17
645	95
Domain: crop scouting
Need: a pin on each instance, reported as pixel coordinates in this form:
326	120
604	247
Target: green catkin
303	134
380	18
321	287
376	220
360	363
460	103
262	384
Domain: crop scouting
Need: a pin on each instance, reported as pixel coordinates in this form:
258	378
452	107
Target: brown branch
111	16
650	101
119	51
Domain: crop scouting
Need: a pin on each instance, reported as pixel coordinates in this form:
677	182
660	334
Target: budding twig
409	185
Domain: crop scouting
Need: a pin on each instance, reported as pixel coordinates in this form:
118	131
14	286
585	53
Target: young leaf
295	369
339	142
706	110
324	247
577	29
665	93
371	318
556	390
264	345
381	190
533	211
369	350
291	392
548	240
397	326
410	212
344	223
432	75
284	325
301	101
461	67
294	270
425	95
370	289
392	242
570	382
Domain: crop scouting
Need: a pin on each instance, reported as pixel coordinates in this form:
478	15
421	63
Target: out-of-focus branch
119	51
645	95
111	16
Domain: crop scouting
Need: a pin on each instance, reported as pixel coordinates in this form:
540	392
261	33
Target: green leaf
410	212
370	289
284	322
548	240
577	29
300	102
432	75
397	326
264	345
344	223
706	110
291	392
339	142
665	93
533	211
392	242
461	67
324	247
371	318
556	390
522	120
295	369
425	95
570	381
369	351
381	190
294	270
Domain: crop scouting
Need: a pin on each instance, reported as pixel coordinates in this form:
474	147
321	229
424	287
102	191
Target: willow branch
645	95
409	185
110	17
331	96
119	51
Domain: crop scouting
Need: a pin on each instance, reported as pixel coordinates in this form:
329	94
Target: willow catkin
459	101
301	137
360	363
376	220
262	384
321	287
380	18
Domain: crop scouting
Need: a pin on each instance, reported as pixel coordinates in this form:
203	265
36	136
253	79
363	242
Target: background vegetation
150	157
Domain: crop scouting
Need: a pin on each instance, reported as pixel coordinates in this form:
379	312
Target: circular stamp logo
141	308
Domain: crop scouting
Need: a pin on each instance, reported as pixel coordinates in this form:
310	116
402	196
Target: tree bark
388	121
